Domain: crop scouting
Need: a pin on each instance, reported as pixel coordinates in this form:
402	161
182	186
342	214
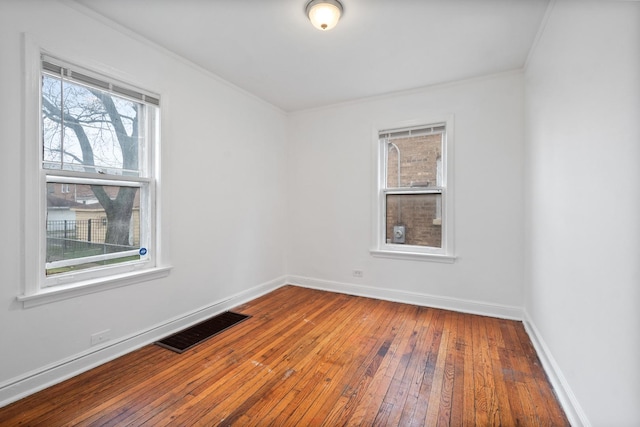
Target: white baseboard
455	304
31	382
568	400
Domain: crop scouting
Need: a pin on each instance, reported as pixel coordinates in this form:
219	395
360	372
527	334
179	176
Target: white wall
222	191
330	190
583	204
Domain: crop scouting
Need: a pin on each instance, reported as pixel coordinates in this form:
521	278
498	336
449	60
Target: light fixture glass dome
324	14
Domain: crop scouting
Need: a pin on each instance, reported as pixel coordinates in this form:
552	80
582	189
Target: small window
98	139
413	196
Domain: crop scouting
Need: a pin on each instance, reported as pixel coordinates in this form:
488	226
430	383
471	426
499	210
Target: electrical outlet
100	337
358	273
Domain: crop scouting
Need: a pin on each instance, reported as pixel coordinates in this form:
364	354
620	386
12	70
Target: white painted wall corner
568	400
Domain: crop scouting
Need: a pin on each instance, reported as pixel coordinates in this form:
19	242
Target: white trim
414	256
568	400
447	303
33	201
41	378
58	293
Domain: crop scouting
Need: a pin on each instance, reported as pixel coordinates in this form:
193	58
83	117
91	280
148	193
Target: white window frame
37	289
380	247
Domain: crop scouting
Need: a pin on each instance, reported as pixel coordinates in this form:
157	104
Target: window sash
146	120
439	215
144	232
386	137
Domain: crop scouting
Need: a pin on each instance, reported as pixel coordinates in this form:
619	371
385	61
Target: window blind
58	68
411	131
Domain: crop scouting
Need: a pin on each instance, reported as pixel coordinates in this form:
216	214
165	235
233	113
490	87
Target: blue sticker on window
143	251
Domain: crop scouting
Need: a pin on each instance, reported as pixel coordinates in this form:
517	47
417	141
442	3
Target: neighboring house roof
59	202
82	194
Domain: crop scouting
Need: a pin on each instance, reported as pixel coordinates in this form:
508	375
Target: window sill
414	256
61	292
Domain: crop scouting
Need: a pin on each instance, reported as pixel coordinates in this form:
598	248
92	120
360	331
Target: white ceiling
269	48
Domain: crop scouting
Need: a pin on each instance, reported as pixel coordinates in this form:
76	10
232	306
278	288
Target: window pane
413	161
97	131
91	221
414	219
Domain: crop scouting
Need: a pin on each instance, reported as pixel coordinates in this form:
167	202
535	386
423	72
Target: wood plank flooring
314	358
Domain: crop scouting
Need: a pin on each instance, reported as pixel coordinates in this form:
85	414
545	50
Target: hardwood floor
311	358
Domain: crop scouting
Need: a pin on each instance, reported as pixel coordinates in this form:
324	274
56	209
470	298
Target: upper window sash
92	131
387	145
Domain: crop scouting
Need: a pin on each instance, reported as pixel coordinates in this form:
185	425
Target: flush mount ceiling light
324	14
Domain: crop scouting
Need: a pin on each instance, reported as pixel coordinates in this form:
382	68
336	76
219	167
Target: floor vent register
187	338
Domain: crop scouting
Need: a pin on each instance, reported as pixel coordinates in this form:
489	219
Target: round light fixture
324	14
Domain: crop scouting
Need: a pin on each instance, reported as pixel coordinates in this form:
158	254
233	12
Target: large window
97	145
97	162
413	203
